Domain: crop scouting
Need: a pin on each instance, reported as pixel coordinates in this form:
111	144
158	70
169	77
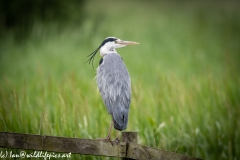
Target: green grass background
185	76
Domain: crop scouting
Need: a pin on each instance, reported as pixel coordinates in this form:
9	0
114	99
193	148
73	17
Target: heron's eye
100	62
115	41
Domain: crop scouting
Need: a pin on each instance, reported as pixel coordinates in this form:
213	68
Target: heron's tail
120	118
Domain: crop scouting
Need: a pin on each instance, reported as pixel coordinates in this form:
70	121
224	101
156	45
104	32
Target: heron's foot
117	141
106	139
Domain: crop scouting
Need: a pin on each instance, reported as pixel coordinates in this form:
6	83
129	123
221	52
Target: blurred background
185	72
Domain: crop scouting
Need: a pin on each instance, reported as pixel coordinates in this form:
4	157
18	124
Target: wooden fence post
128	147
129	137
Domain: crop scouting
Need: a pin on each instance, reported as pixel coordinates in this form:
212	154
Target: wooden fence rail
127	148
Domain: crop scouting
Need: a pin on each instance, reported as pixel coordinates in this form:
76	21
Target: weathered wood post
128	146
129	137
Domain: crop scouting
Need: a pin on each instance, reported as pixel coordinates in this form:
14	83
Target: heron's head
108	46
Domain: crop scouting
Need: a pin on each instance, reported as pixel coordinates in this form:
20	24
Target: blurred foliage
22	14
185	76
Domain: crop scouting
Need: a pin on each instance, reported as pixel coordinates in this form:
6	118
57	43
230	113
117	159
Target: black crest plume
93	54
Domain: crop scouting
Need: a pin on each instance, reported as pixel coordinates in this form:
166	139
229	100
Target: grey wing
115	88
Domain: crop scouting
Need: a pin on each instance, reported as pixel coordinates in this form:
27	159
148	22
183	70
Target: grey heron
114	82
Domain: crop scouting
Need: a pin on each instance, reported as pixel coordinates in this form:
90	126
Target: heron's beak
127	43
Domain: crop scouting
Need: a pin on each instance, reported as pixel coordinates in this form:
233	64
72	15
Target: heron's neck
107	50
